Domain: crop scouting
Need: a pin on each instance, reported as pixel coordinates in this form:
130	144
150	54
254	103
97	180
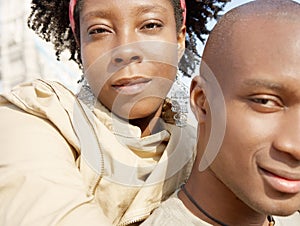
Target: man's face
259	159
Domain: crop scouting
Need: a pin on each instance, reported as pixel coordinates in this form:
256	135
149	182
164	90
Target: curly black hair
50	20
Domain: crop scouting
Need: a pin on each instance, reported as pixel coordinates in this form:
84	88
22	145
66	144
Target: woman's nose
126	55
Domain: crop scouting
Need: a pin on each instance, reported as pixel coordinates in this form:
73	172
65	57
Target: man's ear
199	103
181	42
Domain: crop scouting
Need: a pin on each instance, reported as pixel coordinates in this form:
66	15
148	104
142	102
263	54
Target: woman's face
129	51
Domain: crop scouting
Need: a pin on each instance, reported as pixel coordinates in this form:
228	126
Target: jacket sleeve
40	183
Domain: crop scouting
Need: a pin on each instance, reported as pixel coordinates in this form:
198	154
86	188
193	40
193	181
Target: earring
85	94
180	99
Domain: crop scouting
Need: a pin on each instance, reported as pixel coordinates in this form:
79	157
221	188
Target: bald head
244	33
252	110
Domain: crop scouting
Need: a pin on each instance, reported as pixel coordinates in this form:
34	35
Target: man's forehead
249	29
274	10
264	8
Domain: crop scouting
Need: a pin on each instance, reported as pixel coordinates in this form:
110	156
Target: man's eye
266	104
262	101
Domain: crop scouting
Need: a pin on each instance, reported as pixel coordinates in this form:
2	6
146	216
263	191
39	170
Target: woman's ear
181	42
198	100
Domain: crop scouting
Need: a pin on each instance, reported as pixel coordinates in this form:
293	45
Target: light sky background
234	3
228	6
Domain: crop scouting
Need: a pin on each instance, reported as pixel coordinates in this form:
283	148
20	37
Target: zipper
92	189
133	221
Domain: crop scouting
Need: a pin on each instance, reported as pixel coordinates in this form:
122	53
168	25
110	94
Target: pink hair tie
183	6
73	4
71	14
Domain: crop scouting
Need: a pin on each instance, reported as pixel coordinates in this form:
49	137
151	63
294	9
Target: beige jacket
72	166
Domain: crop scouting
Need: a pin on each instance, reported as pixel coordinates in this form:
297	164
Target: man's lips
281	180
132	85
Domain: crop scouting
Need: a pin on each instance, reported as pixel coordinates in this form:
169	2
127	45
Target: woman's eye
98	31
152	26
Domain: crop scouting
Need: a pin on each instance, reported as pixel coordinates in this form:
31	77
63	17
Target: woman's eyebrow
96	14
138	11
149	8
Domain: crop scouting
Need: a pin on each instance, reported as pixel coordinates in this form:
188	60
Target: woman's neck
218	201
150	124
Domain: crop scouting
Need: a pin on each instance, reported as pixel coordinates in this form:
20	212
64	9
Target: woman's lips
131	86
286	184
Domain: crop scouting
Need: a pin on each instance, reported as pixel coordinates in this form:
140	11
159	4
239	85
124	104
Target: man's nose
288	138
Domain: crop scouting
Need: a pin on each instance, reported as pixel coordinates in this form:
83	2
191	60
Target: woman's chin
140	110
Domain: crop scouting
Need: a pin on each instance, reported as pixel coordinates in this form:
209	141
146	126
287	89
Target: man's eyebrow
263	83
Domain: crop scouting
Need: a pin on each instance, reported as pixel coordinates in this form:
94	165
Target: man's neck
218	201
